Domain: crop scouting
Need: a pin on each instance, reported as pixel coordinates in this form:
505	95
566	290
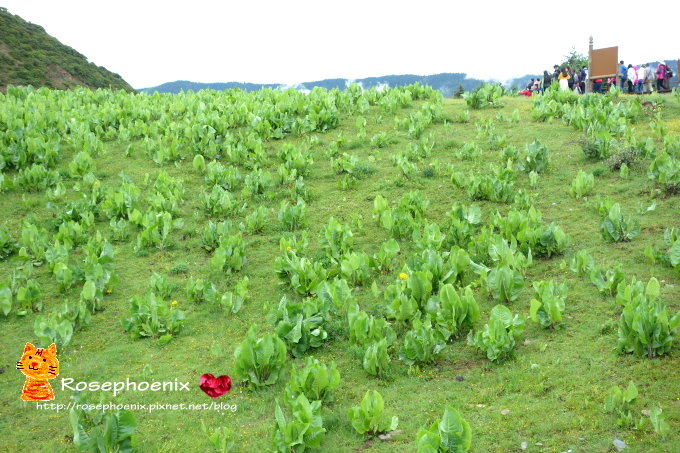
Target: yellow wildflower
289	248
174	302
403	276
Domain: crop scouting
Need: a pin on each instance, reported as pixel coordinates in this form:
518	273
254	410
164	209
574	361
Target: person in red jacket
597	85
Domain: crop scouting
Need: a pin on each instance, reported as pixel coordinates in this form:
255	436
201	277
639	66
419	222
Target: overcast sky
291	41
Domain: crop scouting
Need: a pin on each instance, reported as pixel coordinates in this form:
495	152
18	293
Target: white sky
291	41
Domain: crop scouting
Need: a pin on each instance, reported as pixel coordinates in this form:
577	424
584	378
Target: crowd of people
639	79
636	79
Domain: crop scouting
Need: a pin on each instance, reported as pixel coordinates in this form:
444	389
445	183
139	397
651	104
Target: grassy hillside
29	56
466	194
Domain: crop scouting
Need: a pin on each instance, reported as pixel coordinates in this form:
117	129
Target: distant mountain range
447	83
29	56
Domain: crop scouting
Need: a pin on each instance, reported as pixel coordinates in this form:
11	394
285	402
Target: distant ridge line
447	83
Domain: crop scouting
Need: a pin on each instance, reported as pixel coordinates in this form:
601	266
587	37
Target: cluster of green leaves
229	256
376	361
345	164
402	220
455	313
498	337
301	324
96	429
199	291
365	329
155	229
536	158
497	186
468	151
383	261
599	145
421	344
450	434
504	283
256	221
590	114
22	289
81	164
167	194
405	298
336	239
58	327
614	228
303	430
97	273
463	117
161	286
260	361
382	139
355	268
152	317
228	177
33	243
219	202
582	185
582	263
369	418
620	403
607	281
232	301
7	245
669	255
526	227
120	203
461	223
665	169
301	274
292	216
257	183
221	438
548	304
336	294
645	327
485	95
295	159
214	232
316	381
36	177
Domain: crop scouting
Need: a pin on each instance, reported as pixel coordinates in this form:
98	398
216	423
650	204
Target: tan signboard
604	62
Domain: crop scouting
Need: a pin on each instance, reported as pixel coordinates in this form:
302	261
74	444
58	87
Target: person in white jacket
631	75
640	78
649	79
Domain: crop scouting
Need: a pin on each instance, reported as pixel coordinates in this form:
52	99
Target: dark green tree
459	92
574	60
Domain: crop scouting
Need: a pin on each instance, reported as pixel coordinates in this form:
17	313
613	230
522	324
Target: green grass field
550	395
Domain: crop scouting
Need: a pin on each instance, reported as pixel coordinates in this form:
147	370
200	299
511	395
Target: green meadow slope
95	204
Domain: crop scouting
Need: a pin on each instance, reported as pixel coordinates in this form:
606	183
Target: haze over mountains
447	83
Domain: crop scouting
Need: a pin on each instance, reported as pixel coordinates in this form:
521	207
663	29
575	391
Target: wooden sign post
602	63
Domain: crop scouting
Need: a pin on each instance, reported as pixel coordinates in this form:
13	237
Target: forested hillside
29	56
